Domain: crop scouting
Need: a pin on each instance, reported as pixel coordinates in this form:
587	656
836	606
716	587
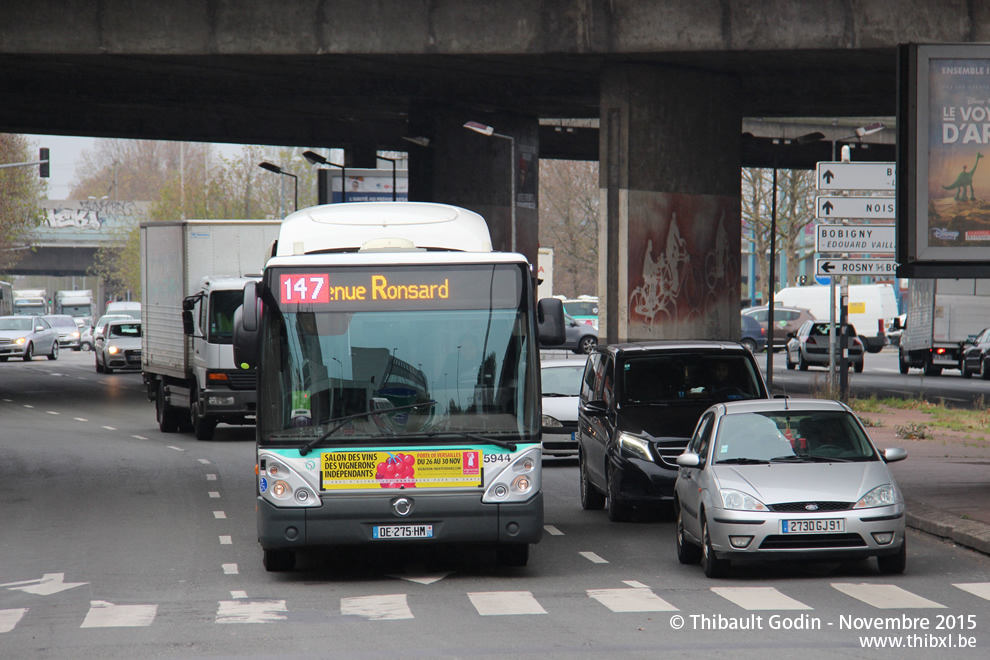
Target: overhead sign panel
865	239
864	208
856	176
838	267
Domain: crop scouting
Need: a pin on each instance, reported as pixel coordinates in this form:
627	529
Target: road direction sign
866	208
837	267
858	239
856	176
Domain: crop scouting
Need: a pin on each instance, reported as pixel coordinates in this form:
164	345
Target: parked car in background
561	384
583	309
787	479
119	346
754	334
578	337
785	319
26	336
68	331
639	404
809	346
976	356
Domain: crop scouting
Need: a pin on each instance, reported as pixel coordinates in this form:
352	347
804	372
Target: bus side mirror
247	334
550	321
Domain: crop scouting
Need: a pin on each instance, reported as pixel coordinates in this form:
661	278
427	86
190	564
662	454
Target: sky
65	152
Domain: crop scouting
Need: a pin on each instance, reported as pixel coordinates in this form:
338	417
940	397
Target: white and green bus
398	383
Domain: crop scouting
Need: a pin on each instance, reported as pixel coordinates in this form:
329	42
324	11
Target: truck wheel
203	427
167	419
902	362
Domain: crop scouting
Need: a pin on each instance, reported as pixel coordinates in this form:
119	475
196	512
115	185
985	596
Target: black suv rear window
676	377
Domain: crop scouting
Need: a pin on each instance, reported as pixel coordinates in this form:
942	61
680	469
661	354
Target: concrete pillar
669	243
471	170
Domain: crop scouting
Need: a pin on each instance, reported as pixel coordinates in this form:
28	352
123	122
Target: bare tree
21	190
569	200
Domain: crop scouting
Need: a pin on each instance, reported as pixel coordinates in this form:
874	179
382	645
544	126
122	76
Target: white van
125	308
870	307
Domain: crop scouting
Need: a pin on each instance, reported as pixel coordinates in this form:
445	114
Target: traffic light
804	280
43	166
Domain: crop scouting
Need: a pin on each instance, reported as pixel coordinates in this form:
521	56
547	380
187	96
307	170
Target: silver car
561	384
27	336
787	479
119	346
68	331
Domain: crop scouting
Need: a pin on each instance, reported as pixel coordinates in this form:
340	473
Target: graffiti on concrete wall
89	219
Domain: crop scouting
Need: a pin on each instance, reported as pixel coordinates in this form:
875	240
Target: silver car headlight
879	496
634	446
551	422
19	341
112	350
736	500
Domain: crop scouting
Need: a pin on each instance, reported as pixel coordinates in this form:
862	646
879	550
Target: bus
398	382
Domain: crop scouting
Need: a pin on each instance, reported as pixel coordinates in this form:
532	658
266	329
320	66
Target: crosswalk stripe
250	611
885	596
981	589
636	599
500	603
377	608
107	615
760	598
9	618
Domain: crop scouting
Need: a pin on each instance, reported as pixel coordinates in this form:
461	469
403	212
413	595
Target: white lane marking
502	603
80	419
230	569
211	477
175	448
631	600
214	495
109	428
52	412
981	589
203	461
593	558
219	515
46	585
377	608
9	618
420	578
238	594
226	540
8	400
885	596
635	584
107	615
27	406
139	437
759	598
553	531
251	611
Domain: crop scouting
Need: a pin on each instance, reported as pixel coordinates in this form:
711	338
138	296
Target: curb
969	533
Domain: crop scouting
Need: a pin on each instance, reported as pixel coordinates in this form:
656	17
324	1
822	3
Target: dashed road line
230	569
214	495
553	531
175	448
203	461
211	477
593	558
219	515
226	540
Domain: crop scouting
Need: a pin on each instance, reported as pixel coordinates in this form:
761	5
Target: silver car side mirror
894	454
689	459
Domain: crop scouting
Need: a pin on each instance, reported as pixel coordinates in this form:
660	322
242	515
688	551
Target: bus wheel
516	554
277	561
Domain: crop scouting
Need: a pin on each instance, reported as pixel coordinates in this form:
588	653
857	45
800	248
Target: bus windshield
354	340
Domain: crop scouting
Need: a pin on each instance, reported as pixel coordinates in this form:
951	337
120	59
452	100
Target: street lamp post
319	159
488	131
271	167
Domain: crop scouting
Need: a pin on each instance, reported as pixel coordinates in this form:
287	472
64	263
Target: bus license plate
402	531
834	526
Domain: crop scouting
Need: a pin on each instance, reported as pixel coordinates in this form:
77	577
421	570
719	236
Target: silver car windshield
794	436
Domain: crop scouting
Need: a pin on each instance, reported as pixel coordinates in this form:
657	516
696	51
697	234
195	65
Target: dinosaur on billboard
965	180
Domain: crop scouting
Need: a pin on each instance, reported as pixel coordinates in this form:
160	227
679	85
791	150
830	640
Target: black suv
638	408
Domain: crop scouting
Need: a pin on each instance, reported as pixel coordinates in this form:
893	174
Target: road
117	541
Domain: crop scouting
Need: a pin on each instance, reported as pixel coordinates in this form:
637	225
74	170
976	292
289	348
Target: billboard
943	185
368	185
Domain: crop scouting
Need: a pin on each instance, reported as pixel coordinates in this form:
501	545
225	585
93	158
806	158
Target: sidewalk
945	479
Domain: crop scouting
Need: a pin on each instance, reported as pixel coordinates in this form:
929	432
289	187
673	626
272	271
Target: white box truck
193	274
871	306
30	302
941	315
78	304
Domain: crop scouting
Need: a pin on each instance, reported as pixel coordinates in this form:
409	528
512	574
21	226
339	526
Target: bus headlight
518	481
286	486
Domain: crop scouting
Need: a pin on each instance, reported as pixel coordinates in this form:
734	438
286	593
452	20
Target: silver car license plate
402	531
832	526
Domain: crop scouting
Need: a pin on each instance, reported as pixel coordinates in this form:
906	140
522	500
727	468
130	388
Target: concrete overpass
669	82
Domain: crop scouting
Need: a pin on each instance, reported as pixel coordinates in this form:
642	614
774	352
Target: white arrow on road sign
860	239
856	176
838	267
48	584
866	208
